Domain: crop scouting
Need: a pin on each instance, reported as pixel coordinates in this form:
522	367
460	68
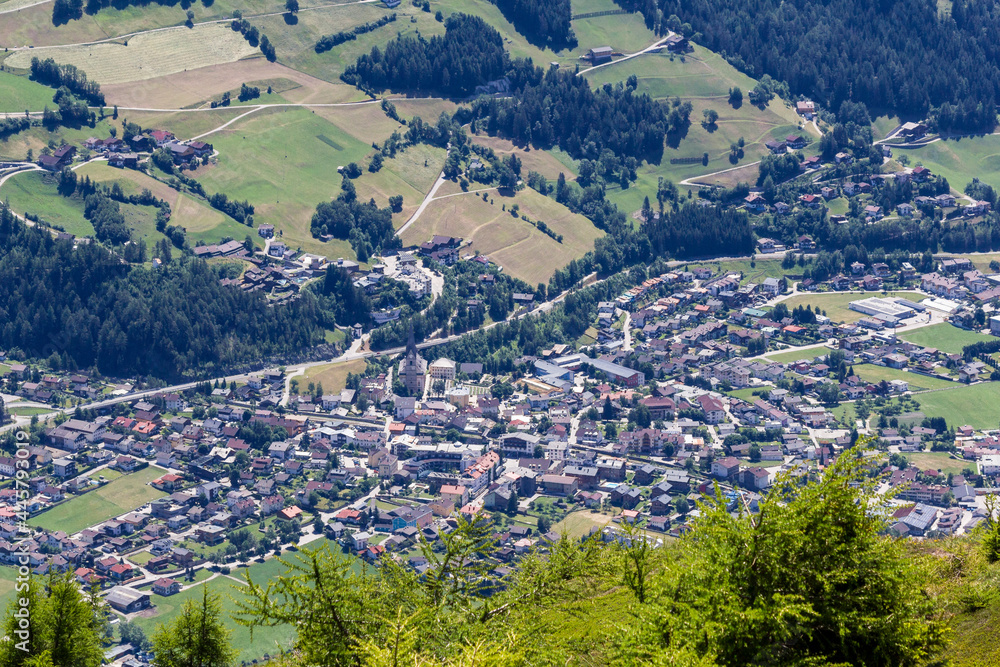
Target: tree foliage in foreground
197	638
810	579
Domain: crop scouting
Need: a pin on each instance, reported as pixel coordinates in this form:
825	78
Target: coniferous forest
901	55
543	22
90	308
470	54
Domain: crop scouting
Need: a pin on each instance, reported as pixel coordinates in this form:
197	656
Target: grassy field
511	242
33	26
284	162
27	411
836	305
961	160
35	192
117	497
944	337
195	87
265	640
148	55
917	382
549	163
410	174
19	93
755	273
202	222
974	405
579	524
36	138
798	355
940	461
333	377
704	78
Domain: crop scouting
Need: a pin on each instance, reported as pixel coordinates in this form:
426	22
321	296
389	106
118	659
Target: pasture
945	337
703	78
114	498
284	161
201	221
19	94
960	160
836	305
148	55
35	192
516	245
940	461
548	163
410	174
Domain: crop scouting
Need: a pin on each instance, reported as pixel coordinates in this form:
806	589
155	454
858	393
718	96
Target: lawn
753	271
117	497
28	411
974	405
789	356
945	337
35	192
148	55
141	557
940	461
19	93
875	374
511	242
284	162
835	306
333	377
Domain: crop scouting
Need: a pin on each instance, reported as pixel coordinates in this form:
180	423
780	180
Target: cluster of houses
129	152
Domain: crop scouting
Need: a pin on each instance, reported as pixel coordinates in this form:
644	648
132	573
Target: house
166	586
726	468
796	141
776	147
600	54
905	210
805	108
810	201
756	203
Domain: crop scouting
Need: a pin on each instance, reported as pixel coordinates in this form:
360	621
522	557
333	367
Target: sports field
148	55
836	305
511	242
117	497
944	337
977	405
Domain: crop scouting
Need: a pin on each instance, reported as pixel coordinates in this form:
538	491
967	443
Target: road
423	205
652	47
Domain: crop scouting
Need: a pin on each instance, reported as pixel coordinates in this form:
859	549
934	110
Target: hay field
515	244
35	192
148	55
406	175
544	162
364	122
195	86
333	377
284	161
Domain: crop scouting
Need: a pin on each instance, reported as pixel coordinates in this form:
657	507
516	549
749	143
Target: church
413	368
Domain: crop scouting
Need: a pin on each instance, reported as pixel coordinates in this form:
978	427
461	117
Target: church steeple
411	343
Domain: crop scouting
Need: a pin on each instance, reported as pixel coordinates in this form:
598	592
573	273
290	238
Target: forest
696	230
469	54
545	24
171	322
550	107
896	55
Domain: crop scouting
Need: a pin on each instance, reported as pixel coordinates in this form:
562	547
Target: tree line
327	42
367	227
469	54
54	75
544	23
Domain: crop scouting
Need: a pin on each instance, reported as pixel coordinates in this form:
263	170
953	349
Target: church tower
413	368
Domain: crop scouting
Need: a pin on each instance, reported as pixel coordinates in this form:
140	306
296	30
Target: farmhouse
600	54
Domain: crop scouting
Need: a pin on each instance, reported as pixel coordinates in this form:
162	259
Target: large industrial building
890	311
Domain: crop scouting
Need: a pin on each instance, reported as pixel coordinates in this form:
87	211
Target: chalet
166	586
805	108
600	54
776	147
796	141
809	201
755	202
